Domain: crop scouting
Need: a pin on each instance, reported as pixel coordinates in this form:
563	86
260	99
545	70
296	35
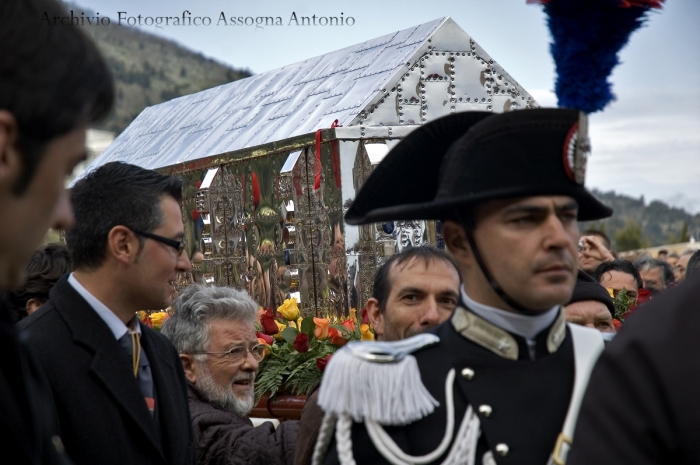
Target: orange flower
337	339
349	324
321	331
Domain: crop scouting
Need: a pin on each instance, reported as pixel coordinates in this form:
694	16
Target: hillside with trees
148	70
635	224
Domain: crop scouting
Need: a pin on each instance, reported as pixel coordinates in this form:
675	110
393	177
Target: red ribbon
318	168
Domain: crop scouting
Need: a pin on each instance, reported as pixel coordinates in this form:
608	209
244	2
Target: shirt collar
526	326
115	325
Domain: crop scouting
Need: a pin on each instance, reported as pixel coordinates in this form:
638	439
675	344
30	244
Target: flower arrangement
298	349
624	305
153	319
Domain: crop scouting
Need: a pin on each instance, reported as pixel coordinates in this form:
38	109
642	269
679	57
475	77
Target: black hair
45	268
693	264
115	194
52	78
382	284
623	266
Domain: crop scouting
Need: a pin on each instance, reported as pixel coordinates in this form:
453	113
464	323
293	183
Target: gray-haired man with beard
213	329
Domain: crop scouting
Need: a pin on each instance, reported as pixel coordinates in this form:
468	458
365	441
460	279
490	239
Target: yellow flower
353	314
365	333
611	291
281	327
157	319
141	315
289	310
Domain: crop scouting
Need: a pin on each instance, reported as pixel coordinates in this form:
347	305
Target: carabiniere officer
501	381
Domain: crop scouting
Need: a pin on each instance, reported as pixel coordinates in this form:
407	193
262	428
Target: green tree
685	234
630	237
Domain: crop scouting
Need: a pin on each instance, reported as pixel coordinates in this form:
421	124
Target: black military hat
515	154
588	288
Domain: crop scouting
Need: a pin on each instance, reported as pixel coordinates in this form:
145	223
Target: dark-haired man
413	291
618	275
497	382
119	386
53	84
594	249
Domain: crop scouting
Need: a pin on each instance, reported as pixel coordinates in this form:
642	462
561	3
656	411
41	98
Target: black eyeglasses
177	245
238	354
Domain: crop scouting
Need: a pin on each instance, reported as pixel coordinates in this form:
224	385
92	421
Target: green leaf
308	326
289	334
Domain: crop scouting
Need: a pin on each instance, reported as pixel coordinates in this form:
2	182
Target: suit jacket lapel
108	363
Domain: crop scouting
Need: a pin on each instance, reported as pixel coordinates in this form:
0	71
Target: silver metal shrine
264	206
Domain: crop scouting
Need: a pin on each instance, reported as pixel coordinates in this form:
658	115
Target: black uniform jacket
642	405
525	401
103	415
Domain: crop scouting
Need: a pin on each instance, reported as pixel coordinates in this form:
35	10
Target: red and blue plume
587	36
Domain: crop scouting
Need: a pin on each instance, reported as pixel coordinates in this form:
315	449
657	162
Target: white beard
223	396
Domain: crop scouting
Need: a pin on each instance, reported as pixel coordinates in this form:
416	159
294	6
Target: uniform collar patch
497	340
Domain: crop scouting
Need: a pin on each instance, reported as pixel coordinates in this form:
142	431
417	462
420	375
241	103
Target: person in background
663	253
47	265
413	291
594	249
53	84
672	259
618	275
656	274
693	264
681	266
213	329
590	305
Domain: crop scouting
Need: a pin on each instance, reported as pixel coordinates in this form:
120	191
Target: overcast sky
645	143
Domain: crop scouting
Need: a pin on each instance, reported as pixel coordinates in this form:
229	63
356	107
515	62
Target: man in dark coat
213	329
500	381
642	405
118	385
53	83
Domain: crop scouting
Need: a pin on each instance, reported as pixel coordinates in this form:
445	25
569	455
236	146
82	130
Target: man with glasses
119	386
213	329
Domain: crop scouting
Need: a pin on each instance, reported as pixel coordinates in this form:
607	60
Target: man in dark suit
119	386
642	405
53	83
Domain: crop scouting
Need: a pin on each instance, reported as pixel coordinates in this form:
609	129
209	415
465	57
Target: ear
376	318
189	365
10	158
122	244
33	305
456	240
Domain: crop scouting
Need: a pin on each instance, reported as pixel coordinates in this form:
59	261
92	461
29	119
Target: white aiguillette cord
462	449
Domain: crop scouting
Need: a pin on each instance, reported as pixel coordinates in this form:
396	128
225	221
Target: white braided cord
325	434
